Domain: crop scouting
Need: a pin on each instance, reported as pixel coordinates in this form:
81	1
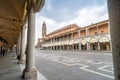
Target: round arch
93	40
83	41
104	39
76	41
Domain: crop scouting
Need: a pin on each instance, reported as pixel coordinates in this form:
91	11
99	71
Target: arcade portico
15	17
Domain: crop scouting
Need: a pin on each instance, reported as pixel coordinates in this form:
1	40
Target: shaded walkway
9	68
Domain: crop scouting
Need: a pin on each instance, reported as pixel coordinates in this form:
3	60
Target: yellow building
72	37
39	43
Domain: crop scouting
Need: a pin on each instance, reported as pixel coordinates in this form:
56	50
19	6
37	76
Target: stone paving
9	68
66	65
61	65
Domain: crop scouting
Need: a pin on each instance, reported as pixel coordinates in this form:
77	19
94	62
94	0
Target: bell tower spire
44	30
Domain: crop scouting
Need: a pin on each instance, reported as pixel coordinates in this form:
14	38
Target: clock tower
43	30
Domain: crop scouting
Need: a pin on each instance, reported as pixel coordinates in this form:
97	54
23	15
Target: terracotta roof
52	34
63	28
92	24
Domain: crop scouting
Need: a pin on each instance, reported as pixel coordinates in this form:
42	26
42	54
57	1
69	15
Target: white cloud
90	15
48	5
85	16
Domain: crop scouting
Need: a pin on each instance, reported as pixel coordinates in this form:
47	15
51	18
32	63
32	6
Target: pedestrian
3	52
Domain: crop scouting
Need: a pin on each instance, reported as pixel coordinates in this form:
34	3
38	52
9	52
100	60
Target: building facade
94	37
39	43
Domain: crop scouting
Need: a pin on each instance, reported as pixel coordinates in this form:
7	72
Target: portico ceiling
13	16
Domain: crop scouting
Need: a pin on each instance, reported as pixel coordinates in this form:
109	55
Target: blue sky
59	13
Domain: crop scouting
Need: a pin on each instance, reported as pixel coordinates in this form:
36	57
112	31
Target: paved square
67	65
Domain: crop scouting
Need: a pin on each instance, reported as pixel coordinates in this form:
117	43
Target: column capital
30	9
30	6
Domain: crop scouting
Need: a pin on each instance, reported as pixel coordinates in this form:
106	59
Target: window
95	33
102	32
103	47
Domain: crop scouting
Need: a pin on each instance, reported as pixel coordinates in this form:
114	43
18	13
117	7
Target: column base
30	74
88	50
21	62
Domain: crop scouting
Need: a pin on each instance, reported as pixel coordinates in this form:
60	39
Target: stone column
86	32
18	45
98	43
51	43
63	46
30	71
114	18
67	44
63	43
67	47
60	47
72	43
88	46
110	45
22	47
60	44
110	35
73	47
98	46
79	46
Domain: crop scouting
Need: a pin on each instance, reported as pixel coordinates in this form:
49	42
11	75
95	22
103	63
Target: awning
71	42
66	42
44	45
56	43
83	42
62	43
104	39
76	41
93	40
59	43
51	44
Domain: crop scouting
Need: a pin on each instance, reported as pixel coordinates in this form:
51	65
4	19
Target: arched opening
83	44
93	44
104	43
76	45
